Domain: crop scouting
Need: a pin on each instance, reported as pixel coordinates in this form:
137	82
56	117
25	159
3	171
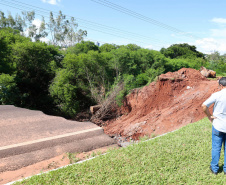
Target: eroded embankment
172	102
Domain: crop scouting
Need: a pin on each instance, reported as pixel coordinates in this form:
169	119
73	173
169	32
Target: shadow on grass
220	168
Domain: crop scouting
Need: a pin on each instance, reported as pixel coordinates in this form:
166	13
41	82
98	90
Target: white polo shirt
219	109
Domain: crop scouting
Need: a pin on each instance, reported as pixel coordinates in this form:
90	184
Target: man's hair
222	81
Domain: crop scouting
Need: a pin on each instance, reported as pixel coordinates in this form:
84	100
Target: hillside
171	102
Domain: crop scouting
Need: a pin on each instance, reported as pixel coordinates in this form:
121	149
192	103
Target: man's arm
207	112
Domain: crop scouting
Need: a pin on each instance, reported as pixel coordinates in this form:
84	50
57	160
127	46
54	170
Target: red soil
170	103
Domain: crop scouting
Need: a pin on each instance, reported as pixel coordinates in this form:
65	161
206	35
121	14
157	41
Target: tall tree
34	73
8	37
181	51
63	31
83	47
17	23
107	47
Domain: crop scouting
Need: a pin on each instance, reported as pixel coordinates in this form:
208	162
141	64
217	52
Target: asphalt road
29	136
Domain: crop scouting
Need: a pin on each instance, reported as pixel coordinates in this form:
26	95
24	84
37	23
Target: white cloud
37	22
219	20
53	2
216	41
209	45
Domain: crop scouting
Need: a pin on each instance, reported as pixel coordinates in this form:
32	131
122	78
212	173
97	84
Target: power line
98	27
142	17
89	23
92	28
134	14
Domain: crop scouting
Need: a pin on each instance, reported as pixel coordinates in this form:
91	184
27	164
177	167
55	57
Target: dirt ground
171	102
49	164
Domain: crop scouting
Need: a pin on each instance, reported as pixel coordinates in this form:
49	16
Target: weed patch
72	157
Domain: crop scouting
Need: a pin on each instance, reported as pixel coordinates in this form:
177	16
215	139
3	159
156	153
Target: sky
152	24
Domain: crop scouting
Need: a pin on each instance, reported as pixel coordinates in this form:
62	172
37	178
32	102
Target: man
218	120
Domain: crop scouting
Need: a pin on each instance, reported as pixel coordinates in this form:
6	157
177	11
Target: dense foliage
181	51
69	80
25	71
217	62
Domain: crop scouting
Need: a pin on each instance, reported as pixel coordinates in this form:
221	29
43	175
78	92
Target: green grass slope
181	157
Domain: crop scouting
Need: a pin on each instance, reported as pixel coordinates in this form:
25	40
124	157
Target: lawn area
181	157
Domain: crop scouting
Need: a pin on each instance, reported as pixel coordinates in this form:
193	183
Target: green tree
64	31
91	72
79	83
132	47
181	51
216	62
34	32
8	37
64	93
9	92
82	47
123	61
146	59
24	24
107	47
16	23
33	73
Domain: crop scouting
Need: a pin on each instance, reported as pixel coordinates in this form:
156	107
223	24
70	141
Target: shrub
8	90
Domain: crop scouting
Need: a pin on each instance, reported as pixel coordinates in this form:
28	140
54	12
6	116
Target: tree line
66	81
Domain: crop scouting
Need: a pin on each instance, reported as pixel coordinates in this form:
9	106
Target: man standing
218	120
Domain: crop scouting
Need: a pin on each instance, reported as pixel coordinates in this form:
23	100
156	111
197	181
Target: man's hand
211	118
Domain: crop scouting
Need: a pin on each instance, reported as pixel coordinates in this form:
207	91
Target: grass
181	157
72	157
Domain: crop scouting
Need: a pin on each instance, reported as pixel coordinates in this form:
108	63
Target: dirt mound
172	102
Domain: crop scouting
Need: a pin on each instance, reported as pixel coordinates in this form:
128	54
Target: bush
34	73
142	79
9	93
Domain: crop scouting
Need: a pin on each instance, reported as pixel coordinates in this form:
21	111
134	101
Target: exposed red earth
171	102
